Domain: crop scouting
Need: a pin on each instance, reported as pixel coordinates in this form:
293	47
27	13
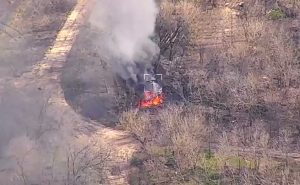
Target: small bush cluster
276	14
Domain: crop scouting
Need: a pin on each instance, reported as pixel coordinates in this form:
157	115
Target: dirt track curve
47	75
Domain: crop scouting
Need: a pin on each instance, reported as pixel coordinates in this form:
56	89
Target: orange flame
151	100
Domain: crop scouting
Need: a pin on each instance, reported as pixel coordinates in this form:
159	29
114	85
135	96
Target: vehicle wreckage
153	92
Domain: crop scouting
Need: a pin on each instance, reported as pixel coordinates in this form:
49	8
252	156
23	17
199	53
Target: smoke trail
127	26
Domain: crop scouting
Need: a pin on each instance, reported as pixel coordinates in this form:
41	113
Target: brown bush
137	124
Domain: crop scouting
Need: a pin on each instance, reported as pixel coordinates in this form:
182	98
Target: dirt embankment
27	29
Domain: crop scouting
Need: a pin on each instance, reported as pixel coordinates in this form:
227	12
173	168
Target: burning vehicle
153	93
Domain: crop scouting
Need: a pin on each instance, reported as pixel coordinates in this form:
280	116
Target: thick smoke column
127	26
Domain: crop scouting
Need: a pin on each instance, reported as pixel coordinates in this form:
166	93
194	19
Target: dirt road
35	101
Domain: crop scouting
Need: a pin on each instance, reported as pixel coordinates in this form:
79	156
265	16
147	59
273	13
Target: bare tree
86	166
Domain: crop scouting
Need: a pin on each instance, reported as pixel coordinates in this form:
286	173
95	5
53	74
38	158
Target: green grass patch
239	162
276	14
210	166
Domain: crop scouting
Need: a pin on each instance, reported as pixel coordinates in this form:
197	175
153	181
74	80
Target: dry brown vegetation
29	24
85	165
35	16
182	147
236	68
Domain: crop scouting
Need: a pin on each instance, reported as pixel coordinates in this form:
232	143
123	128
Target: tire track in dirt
46	75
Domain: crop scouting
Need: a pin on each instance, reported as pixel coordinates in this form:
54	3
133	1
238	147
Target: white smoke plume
128	26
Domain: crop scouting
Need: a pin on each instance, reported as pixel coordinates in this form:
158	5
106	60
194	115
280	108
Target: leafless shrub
175	145
137	124
175	27
185	131
86	165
